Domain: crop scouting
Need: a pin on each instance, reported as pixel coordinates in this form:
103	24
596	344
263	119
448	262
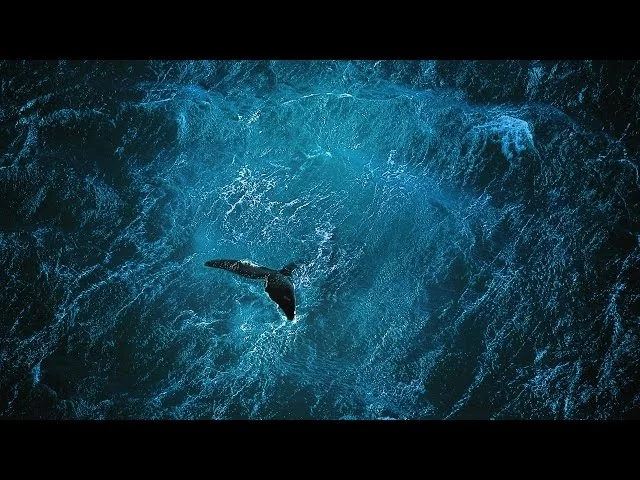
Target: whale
277	283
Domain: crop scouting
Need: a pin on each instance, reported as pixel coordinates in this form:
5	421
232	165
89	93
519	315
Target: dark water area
466	237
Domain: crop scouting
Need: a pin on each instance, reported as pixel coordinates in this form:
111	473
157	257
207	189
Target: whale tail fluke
278	285
283	294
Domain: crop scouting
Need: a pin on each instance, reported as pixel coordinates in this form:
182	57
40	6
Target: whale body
278	284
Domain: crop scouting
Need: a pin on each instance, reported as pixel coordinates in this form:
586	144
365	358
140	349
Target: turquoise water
456	259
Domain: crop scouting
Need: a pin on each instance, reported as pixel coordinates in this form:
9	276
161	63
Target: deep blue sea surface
467	236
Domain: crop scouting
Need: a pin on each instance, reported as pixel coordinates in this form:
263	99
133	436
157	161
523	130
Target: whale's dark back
278	284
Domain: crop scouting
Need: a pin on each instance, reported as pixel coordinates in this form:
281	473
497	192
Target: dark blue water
466	233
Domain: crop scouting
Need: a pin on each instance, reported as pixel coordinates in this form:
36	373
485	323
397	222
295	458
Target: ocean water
466	236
